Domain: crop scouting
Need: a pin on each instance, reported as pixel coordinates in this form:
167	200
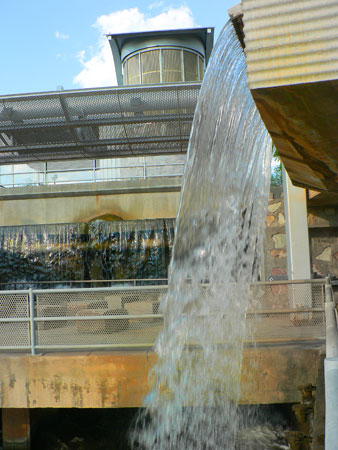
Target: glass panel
133	70
150	64
172	66
201	64
190	66
125	73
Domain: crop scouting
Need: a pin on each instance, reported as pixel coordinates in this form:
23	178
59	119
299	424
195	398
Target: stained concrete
128	200
270	374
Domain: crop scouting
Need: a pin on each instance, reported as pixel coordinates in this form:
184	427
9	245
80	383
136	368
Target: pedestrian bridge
93	347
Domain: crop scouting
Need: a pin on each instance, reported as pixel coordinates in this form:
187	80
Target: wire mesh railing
40	320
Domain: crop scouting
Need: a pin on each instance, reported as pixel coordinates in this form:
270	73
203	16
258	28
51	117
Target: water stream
217	253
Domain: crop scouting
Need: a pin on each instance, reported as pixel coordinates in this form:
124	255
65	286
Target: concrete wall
137	199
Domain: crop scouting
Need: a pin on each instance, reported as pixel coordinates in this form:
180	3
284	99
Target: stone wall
275	262
323	235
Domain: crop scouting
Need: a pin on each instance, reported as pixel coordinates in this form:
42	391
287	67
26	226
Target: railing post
31	320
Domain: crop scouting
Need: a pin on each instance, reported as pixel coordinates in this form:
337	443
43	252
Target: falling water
96	251
217	251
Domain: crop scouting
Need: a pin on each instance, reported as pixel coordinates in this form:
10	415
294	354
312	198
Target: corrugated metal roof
97	123
290	41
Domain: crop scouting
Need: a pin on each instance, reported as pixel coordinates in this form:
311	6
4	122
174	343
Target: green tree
276	172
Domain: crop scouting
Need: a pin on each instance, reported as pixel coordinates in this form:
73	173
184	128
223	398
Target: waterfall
96	251
217	253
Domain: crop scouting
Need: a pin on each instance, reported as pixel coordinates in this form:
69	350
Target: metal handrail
33	318
133	281
92	171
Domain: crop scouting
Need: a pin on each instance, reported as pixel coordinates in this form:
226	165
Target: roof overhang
292	68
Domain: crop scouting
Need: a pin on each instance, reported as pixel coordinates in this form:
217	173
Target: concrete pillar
15	429
297	234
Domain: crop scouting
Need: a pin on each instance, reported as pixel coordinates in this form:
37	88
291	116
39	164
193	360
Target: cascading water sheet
217	252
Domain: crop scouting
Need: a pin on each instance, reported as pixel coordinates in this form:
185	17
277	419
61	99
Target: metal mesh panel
14	306
100	123
286	312
125	317
130	317
14	334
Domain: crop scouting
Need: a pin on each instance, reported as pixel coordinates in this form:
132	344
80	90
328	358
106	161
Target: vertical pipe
331	403
331	323
31	319
331	371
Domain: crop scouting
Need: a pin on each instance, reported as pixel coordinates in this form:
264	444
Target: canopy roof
97	123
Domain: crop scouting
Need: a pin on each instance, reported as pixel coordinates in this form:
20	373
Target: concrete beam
149	185
120	379
15	429
137	205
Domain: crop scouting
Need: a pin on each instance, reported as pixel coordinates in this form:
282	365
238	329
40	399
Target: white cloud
99	69
62	36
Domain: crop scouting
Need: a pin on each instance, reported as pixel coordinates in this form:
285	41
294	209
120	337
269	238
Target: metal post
144	168
331	322
31	320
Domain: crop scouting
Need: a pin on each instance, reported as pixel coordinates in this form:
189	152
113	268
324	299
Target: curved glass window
163	65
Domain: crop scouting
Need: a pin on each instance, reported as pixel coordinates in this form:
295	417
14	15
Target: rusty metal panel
289	42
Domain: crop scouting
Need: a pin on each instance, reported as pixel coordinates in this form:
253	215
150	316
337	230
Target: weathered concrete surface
131	200
292	69
302	121
118	380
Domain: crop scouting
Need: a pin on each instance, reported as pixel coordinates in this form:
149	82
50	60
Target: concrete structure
127	200
120	379
292	66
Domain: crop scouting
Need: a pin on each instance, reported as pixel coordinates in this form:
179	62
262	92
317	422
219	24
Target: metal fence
128	316
11	176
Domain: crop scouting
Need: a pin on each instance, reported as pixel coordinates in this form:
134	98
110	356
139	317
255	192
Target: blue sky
48	43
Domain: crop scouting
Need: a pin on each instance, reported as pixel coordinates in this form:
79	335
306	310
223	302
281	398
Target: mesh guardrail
286	312
129	316
126	317
14	320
